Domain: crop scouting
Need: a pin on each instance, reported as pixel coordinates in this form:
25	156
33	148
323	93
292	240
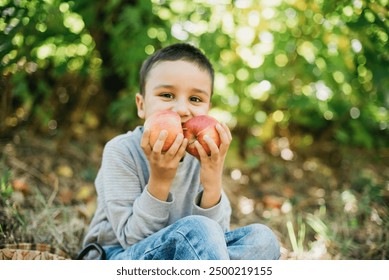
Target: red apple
163	120
196	128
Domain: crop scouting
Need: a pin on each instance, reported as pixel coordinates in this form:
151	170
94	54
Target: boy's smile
179	86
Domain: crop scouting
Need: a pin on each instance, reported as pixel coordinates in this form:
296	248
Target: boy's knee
201	237
200	223
200	226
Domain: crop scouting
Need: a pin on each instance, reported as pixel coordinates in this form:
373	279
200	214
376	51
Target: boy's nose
181	108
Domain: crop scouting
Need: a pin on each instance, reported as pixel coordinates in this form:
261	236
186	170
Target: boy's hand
163	166
212	166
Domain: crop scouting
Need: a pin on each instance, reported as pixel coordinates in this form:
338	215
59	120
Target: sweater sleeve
220	213
132	212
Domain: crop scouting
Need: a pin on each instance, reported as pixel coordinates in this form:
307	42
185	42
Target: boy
164	206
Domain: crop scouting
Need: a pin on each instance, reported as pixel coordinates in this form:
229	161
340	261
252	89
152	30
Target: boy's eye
166	95
195	99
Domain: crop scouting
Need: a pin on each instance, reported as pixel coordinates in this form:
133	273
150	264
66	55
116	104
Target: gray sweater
126	212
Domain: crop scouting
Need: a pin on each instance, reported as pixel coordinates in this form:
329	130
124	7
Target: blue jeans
200	238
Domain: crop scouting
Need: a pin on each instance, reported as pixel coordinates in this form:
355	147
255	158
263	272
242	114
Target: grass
318	210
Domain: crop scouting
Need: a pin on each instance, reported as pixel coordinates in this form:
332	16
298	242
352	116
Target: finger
182	150
224	133
160	142
145	141
176	145
200	149
225	137
227	129
211	145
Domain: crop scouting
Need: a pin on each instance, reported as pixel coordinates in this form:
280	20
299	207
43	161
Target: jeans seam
152	249
190	244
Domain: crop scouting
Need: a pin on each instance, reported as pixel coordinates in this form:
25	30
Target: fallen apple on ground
196	128
163	120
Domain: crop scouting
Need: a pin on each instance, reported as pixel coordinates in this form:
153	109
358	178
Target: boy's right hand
163	166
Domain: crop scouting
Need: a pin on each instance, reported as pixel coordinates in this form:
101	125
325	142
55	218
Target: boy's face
179	86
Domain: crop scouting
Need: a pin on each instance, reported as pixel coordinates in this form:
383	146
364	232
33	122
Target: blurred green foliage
5	187
305	70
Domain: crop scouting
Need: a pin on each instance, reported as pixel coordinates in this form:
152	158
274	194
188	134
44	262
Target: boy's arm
132	212
212	166
163	166
220	213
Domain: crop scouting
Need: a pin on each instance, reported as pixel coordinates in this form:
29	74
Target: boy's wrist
159	189
210	198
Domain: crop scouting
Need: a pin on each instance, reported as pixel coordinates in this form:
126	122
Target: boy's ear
140	105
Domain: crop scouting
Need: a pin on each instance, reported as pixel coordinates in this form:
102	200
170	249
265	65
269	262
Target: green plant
298	241
6	189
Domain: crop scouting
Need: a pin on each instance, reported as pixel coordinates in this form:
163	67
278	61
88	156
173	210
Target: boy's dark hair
178	51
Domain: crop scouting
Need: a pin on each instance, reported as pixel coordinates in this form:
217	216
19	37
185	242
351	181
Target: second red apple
196	128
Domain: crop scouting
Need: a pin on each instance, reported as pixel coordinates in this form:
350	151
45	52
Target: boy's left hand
212	166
